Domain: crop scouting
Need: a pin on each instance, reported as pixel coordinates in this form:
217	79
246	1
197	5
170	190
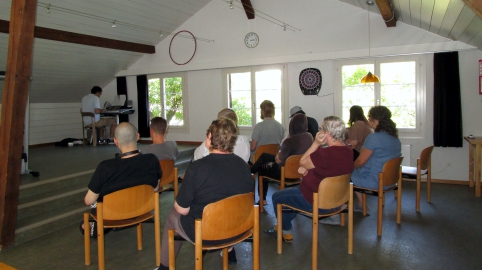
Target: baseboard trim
441	181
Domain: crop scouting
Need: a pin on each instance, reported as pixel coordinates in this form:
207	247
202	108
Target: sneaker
101	141
110	141
359	209
287	237
231	256
331	220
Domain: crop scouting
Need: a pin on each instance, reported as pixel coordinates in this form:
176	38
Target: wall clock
251	40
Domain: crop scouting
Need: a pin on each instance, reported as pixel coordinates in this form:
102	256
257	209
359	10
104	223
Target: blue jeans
293	197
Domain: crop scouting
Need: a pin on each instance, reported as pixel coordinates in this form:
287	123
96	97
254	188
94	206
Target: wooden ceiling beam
248	8
475	5
64	36
387	12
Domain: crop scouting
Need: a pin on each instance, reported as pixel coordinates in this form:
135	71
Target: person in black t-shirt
128	169
217	176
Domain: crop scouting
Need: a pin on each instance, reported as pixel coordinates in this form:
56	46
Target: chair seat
125	222
239	239
412	170
288	181
309	213
373	192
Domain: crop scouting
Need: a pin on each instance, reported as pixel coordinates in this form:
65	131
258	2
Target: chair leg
256	239
364	204
198	253
279	227
172	256
399	201
139	236
260	191
342	219
350	221
225	259
86	239
429	183
314	233
100	244
380	212
417	194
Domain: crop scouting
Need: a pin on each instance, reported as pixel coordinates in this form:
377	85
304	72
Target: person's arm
362	159
353	144
305	160
181	210
276	158
90	197
254	143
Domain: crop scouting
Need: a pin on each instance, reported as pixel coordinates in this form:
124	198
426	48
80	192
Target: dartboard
310	81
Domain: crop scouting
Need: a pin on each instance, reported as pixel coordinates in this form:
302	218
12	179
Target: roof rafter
248	8
387	12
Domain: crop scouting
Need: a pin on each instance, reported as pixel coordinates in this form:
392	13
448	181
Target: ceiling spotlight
48	8
113	24
231	4
370	2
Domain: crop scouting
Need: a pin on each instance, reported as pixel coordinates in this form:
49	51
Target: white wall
52	122
325	37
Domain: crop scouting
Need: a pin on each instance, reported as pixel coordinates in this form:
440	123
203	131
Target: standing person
269	131
379	147
298	141
129	169
160	147
312	123
358	130
217	176
241	148
316	164
91	103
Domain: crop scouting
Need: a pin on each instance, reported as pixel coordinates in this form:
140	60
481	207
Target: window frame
253	70
185	108
420	89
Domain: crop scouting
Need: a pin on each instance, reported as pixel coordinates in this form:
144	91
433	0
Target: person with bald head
128	169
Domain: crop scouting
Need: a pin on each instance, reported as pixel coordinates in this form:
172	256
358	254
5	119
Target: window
166	98
399	89
246	88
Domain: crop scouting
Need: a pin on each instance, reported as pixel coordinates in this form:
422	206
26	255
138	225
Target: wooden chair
391	177
424	167
332	192
93	137
234	217
266	148
288	171
123	208
169	175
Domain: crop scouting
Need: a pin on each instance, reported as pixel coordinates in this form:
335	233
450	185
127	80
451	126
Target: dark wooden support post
14	102
387	12
248	8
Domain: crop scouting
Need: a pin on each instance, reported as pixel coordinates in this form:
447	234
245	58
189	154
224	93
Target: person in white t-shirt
91	103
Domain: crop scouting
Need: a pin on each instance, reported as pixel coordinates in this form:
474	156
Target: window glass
166	99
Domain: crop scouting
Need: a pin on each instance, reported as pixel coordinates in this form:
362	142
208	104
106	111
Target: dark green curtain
447	115
122	90
143	106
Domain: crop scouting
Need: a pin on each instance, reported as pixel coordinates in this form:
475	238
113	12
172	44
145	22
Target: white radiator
406	154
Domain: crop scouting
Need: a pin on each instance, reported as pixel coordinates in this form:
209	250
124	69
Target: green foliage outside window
170	100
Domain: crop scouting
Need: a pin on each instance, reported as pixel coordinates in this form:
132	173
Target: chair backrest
89	114
229	217
167	167
334	191
425	157
292	164
128	203
266	148
391	171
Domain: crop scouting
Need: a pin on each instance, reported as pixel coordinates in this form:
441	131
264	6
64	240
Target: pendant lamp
369	78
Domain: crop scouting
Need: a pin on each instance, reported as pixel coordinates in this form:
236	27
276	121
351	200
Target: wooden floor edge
441	181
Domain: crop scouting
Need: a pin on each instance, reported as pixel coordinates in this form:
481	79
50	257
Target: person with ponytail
358	130
379	147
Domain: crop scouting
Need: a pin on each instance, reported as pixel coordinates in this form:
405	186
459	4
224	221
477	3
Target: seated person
91	103
315	165
160	147
379	147
298	141
217	176
129	169
312	123
358	130
268	131
241	148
